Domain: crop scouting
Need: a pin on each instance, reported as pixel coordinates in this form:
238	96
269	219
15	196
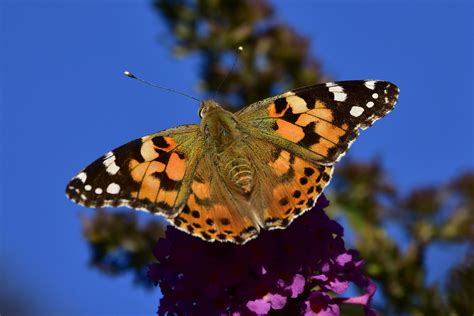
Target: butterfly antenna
240	49
130	75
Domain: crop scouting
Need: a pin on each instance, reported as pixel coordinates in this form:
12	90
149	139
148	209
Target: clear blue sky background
64	102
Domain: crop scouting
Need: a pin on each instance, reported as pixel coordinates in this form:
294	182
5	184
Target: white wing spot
98	191
386	100
109	163
370	104
108	155
370	84
340	97
87	187
113	188
83	197
113	168
375	95
336	88
357	111
82	176
339	94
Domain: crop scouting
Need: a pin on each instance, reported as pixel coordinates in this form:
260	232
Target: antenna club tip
240	48
129	74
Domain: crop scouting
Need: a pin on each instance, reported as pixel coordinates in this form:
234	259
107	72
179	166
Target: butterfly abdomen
239	171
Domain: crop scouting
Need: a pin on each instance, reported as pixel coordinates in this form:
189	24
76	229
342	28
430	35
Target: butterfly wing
320	122
302	133
152	173
293	185
213	211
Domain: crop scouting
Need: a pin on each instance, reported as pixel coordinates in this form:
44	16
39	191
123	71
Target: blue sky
64	102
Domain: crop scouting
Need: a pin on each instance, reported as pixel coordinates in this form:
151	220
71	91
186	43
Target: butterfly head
208	106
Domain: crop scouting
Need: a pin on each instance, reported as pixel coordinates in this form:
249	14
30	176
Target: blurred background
404	193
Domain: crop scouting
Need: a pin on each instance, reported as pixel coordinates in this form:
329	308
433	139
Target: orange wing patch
289	131
281	166
176	167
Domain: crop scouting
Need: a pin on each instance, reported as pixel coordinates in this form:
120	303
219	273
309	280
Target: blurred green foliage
276	58
120	243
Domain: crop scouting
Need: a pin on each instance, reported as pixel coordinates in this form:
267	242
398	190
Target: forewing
320	122
152	173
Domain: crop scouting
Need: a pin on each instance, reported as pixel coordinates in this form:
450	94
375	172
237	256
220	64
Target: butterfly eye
224	131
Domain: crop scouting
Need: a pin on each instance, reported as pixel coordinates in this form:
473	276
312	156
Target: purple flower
299	270
263	305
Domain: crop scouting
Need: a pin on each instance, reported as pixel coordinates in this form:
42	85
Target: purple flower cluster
301	270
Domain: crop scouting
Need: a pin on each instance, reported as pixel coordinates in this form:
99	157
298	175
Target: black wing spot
238	239
308	171
310	136
205	235
177	221
283	201
248	230
280	105
160	142
166	183
276	153
225	221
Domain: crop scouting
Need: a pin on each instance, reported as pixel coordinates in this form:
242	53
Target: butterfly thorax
225	142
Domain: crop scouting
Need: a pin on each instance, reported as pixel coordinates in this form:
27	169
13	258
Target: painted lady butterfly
236	173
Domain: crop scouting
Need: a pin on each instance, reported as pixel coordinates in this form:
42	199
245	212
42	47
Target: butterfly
234	174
